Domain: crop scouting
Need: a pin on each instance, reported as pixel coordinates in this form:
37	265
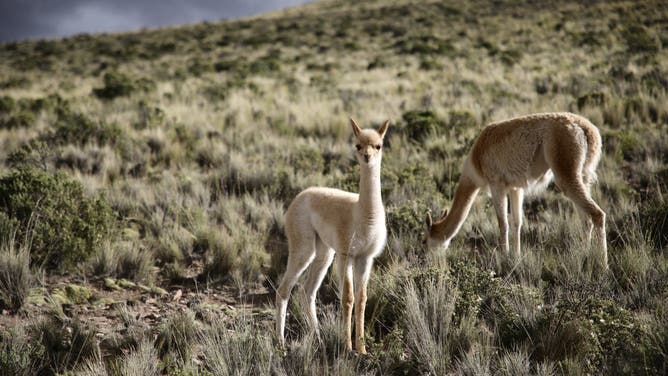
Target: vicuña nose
366	157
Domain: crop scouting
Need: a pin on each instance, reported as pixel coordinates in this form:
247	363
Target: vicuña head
321	222
526	153
369	144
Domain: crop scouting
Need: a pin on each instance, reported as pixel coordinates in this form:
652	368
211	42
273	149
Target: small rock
177	295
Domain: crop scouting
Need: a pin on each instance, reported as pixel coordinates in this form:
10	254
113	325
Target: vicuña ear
445	212
428	220
383	128
356	128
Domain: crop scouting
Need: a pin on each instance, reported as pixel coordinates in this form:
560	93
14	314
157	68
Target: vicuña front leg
362	271
516	199
346	273
500	201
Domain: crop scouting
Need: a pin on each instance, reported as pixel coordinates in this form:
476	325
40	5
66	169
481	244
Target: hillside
144	177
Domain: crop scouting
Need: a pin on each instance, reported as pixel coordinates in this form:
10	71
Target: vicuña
526	153
323	221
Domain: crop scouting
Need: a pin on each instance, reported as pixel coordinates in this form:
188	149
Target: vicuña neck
370	200
465	194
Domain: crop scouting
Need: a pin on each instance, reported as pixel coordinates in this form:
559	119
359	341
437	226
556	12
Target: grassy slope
225	122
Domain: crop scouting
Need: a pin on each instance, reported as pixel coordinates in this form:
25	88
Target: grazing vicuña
525	153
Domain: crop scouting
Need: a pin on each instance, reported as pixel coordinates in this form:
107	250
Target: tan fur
322	221
512	156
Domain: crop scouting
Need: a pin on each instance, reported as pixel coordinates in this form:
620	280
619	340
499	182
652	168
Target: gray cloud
28	19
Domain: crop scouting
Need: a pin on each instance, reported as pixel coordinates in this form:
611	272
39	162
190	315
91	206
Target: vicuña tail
593	155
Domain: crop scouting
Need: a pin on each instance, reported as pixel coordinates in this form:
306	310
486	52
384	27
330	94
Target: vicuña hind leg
575	189
345	267
302	252
361	271
316	273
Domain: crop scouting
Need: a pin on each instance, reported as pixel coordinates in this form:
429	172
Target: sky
35	19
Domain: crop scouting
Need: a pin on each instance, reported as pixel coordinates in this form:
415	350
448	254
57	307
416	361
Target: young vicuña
525	153
323	221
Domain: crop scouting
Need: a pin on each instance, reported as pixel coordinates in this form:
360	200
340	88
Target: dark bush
76	128
198	67
510	57
460	120
62	225
626	146
20	119
7	104
425	45
120	85
149	116
36	154
594	99
15	82
638	40
307	161
421	124
655	80
654	219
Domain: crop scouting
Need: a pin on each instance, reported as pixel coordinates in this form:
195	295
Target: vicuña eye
377	147
358	147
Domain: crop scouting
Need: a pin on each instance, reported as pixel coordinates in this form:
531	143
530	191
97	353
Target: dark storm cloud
23	19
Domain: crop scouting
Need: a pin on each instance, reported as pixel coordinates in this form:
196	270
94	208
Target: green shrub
415	180
598	333
62	225
405	222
